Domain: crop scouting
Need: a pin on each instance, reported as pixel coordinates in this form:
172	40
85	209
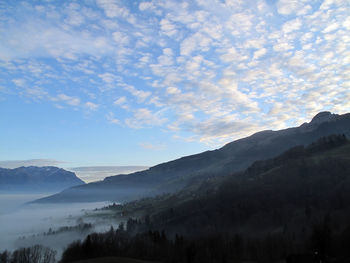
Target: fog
95	173
25	225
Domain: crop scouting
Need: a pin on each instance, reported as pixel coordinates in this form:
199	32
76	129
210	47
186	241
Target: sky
117	82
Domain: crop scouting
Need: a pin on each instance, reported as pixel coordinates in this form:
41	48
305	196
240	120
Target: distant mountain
233	157
37	179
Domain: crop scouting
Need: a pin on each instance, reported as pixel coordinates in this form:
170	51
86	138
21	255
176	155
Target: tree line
34	254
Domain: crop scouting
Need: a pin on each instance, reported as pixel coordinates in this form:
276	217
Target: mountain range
235	156
37	179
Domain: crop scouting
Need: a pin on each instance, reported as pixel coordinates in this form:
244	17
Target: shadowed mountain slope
233	157
287	207
295	189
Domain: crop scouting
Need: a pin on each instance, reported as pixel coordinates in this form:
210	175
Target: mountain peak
323	116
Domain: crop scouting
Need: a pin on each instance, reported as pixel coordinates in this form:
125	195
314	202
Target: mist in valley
51	225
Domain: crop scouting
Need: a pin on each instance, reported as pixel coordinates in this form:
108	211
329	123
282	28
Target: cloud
182	67
144	117
287	7
43	40
331	28
19	82
110	117
108	78
259	53
152	146
73	101
291	25
91	106
139	94
112	8
227	127
97	173
168	28
120	101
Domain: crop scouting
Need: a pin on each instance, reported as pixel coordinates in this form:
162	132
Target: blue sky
113	82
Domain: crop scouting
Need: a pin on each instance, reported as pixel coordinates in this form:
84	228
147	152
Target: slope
235	156
286	194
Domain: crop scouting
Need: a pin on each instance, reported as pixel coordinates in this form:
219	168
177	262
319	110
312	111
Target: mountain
233	157
37	179
296	189
294	207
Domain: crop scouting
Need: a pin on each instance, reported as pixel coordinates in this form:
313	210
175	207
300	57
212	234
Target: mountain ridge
35	179
232	157
315	176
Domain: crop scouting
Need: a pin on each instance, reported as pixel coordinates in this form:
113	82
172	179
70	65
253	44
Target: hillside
37	179
287	207
283	194
233	157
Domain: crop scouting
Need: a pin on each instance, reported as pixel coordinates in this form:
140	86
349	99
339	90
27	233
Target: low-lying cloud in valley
96	173
23	225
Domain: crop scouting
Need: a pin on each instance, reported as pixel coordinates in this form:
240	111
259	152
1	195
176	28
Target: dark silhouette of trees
34	254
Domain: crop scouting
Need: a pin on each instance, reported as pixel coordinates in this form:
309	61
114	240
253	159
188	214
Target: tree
34	254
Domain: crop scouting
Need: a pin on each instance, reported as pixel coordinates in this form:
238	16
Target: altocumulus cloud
215	70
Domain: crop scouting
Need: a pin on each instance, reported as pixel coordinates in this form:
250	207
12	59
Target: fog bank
95	173
26	225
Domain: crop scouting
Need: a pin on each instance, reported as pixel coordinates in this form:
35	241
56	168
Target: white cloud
120	101
110	117
139	94
291	25
74	15
121	38
287	7
185	66
19	82
167	27
109	78
188	45
259	53
223	129
240	23
112	8
91	105
232	55
36	92
146	5
144	117
45	40
331	28
346	23
73	101
173	90
282	46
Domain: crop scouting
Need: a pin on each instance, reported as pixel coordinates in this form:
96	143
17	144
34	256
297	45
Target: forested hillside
297	202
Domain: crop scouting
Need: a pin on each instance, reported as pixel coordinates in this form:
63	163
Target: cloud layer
209	71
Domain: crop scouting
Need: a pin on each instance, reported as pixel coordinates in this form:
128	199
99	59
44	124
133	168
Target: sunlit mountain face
142	82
